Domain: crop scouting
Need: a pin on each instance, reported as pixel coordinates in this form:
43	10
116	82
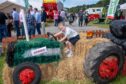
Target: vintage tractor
26	54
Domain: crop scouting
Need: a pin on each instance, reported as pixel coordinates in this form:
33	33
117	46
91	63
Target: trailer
94	13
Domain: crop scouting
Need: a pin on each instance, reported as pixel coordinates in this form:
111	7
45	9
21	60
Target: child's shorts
74	39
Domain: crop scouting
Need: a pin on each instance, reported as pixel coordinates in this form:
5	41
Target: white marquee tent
7	5
123	8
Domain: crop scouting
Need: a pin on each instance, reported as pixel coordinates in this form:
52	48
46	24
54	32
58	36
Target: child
70	37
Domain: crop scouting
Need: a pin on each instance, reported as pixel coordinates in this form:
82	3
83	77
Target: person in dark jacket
43	19
80	15
71	19
3	27
9	24
30	19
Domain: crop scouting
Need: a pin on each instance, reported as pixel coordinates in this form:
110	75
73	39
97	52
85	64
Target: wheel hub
26	76
109	68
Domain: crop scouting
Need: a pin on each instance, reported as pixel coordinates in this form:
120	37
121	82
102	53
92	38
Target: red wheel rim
26	76
109	68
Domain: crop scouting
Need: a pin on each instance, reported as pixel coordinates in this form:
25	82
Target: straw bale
72	68
7	75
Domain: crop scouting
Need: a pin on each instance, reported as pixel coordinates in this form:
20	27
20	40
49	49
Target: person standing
9	24
43	19
30	19
15	15
71	19
59	17
63	16
86	19
21	23
56	15
31	10
80	16
3	28
38	20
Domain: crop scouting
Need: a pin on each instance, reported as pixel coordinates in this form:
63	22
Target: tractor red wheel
103	62
27	73
26	76
109	68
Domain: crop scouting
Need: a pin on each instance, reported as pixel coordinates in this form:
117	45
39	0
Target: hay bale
72	68
49	71
7	75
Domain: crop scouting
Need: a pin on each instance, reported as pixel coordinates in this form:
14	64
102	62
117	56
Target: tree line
101	3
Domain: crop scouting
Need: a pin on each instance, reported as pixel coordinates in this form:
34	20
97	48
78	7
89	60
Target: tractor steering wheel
51	36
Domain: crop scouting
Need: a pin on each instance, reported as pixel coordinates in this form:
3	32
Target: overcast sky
72	3
67	3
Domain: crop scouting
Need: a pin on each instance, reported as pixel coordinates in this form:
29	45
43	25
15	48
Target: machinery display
50	6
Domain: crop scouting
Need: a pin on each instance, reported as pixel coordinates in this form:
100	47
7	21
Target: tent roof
7	5
123	6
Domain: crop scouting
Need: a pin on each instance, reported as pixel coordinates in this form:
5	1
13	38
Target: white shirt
69	33
20	17
32	12
62	14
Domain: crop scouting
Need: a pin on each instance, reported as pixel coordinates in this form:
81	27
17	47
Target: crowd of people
35	19
81	17
59	16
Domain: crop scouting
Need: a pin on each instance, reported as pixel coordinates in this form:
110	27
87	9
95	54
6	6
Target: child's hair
61	23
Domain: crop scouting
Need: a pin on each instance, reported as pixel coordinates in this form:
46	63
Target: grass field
2	61
99	25
119	80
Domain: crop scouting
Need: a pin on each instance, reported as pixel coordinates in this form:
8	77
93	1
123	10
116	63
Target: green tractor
26	54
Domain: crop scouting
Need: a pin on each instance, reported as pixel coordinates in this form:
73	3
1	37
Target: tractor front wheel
103	62
27	73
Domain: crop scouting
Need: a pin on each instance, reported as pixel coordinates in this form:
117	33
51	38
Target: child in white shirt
70	37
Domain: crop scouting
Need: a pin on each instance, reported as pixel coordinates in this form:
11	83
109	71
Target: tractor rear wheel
103	62
27	73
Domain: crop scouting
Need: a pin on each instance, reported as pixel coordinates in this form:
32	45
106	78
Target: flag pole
24	20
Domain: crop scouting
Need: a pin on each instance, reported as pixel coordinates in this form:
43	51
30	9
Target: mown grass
118	80
67	82
2	62
99	25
